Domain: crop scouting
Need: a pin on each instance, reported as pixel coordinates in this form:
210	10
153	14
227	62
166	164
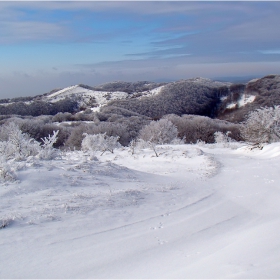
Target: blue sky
47	45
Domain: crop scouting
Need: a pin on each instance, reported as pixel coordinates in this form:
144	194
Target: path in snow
174	222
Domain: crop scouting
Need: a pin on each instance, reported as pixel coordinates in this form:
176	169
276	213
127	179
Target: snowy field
193	212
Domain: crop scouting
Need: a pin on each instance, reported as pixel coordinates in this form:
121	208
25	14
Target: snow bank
268	151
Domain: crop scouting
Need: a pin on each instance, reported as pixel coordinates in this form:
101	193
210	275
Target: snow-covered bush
178	141
100	142
195	128
19	145
221	137
40	127
6	172
200	143
47	151
16	145
262	125
159	132
223	140
140	144
132	146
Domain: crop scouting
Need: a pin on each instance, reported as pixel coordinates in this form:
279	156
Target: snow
148	93
208	82
244	99
253	80
268	151
223	98
71	122
67	90
6	104
101	97
196	211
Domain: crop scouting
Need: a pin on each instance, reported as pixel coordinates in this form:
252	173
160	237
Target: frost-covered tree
6	172
100	142
16	144
262	125
221	137
47	151
159	132
224	140
132	146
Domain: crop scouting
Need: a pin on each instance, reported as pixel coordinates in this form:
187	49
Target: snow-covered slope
148	93
96	98
244	98
86	96
193	212
242	101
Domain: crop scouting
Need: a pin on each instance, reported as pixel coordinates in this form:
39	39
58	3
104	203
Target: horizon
233	80
48	45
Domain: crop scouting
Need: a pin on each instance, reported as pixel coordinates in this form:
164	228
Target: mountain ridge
200	96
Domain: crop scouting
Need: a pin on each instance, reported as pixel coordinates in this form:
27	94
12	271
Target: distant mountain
198	96
99	96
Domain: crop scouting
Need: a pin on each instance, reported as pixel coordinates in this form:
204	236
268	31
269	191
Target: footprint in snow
160	226
161	242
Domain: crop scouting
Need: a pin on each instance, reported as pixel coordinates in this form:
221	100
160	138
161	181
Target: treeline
183	97
127	87
117	122
16	99
38	108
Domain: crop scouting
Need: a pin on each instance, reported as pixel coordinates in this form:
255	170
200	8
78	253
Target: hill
197	96
243	98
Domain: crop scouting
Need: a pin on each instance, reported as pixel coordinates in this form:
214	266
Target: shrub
262	125
14	144
100	142
159	132
194	128
19	145
47	151
222	137
6	172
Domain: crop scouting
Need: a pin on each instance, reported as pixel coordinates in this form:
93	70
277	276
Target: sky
46	44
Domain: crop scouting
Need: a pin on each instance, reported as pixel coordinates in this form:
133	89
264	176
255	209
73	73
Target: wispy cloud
29	31
270	51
